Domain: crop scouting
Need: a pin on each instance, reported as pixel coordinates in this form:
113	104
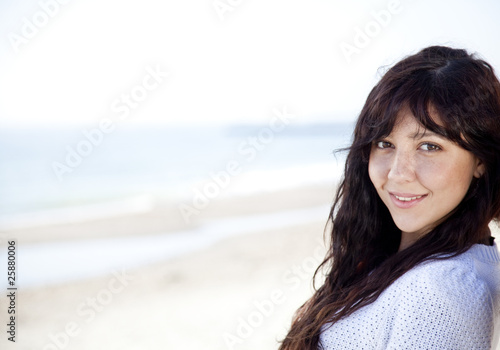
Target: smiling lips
405	201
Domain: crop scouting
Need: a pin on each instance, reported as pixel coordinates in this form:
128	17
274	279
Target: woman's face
420	176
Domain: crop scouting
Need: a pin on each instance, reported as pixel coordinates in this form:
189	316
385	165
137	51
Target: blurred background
166	168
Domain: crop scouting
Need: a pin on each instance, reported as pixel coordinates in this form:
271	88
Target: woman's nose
402	167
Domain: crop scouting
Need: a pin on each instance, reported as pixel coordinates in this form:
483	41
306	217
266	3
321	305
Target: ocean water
130	169
64	174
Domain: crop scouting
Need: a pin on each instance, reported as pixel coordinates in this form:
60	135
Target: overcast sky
83	61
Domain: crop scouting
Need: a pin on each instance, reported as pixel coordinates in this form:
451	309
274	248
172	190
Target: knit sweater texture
439	304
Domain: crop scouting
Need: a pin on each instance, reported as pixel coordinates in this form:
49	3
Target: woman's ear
479	169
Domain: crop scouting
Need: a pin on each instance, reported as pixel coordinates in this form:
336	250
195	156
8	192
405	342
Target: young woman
411	263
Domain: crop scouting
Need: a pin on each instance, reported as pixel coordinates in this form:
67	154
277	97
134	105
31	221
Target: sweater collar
486	253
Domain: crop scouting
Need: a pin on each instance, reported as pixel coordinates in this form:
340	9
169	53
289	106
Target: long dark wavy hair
363	257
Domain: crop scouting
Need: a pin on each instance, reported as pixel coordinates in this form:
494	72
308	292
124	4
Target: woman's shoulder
463	273
471	278
487	256
447	302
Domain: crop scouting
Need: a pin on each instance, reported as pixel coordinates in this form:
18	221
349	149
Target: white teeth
407	199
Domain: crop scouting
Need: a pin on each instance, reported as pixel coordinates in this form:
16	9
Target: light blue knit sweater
440	304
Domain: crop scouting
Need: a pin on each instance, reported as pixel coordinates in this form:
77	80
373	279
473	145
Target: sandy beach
240	293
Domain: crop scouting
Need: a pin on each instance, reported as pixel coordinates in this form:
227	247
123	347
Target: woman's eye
383	144
430	147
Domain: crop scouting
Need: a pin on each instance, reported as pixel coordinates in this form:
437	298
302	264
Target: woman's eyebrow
420	134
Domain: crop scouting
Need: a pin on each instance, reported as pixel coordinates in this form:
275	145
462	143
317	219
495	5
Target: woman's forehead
411	127
422	121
